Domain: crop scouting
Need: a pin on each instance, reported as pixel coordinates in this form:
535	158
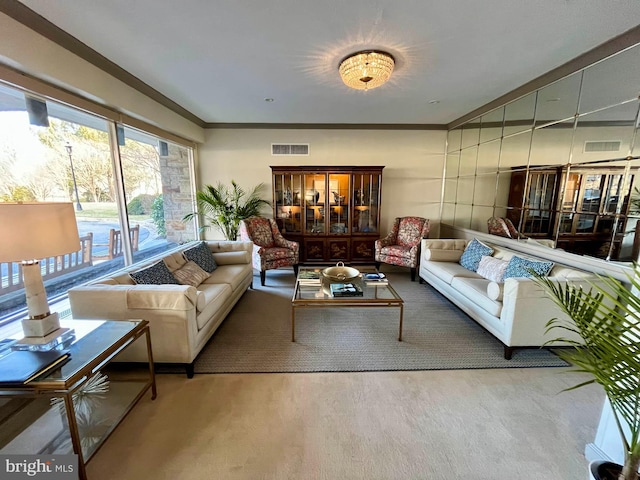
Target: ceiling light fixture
366	70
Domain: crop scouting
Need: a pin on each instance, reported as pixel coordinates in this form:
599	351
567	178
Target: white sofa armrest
169	309
521	297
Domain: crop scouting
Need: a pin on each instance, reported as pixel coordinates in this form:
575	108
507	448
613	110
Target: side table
97	343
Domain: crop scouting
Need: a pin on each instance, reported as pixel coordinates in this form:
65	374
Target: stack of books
375	279
310	278
346	290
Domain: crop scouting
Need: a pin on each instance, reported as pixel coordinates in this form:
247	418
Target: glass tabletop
371	293
91	339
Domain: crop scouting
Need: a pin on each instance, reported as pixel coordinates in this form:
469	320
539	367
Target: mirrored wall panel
562	163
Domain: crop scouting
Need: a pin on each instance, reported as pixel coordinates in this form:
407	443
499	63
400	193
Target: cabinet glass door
287	200
338	203
540	203
366	200
315	192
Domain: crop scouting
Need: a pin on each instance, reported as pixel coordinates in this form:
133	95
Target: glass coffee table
319	296
83	413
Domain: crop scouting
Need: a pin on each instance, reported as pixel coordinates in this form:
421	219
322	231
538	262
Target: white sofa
516	311
181	318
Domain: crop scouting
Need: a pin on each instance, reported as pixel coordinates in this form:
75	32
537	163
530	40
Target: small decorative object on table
346	290
309	277
375	279
340	273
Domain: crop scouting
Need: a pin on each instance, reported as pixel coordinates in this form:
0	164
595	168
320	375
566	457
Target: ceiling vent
289	149
602	146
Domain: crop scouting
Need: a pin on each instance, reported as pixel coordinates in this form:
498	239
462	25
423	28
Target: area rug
256	336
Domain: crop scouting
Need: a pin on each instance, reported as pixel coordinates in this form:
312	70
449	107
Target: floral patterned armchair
270	249
402	246
503	227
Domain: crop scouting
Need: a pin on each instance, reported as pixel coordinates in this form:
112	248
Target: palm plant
607	318
224	207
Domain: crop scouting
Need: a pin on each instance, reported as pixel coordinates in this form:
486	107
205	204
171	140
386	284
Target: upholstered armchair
270	249
503	227
402	246
497	226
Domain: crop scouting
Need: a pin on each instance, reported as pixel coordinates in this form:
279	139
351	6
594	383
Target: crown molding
331	126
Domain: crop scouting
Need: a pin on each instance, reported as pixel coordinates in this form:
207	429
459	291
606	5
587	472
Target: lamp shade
34	231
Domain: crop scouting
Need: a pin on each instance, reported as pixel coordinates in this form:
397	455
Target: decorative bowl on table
340	273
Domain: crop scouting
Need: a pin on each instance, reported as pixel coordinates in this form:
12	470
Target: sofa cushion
233	275
175	261
191	274
471	256
475	289
156	274
201	254
520	267
492	268
447	271
212	298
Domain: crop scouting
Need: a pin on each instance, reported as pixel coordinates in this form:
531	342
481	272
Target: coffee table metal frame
86	361
318	296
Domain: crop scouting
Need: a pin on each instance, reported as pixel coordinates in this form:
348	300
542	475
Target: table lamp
36	231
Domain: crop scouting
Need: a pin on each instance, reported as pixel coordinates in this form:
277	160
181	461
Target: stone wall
177	194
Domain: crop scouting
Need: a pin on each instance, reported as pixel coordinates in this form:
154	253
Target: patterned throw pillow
471	256
519	267
191	274
201	254
492	268
156	274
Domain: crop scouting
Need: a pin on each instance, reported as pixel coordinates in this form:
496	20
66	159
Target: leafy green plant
157	216
607	318
141	205
224	207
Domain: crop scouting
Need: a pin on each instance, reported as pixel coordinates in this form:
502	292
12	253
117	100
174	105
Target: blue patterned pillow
201	254
156	274
520	267
471	256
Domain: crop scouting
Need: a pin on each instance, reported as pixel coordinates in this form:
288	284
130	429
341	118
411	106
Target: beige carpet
256	336
421	425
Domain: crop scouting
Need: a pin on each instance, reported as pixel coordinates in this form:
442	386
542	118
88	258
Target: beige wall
413	162
23	49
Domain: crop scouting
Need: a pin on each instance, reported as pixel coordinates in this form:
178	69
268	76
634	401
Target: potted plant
607	318
224	207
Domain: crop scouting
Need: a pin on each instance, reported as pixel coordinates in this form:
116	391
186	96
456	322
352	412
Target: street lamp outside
73	175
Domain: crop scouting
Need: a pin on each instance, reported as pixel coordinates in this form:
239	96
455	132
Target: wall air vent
602	146
289	149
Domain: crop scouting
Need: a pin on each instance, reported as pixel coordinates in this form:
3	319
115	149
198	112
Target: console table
83	429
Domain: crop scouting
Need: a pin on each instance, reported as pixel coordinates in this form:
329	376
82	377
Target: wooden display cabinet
580	204
332	211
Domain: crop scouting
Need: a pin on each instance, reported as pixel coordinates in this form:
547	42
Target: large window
129	199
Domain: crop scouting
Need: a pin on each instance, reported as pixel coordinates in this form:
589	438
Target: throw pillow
492	268
471	256
520	267
201	254
156	274
440	255
191	274
495	291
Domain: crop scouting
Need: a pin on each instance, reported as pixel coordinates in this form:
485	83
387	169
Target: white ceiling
220	59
